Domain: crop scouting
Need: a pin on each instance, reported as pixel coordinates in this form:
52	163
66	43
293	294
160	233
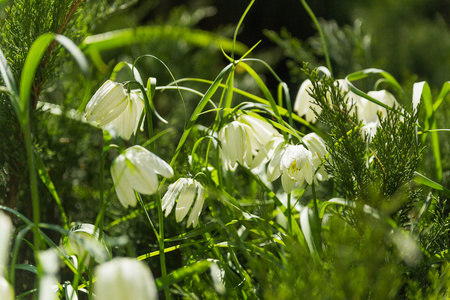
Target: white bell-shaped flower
124	278
186	190
264	131
296	166
369	110
317	147
351	98
111	105
275	151
240	144
82	241
50	267
6	290
5	235
304	103
135	170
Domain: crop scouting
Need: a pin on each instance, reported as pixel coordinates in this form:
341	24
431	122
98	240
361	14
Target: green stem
162	254
289	213
314	19
34	192
316	210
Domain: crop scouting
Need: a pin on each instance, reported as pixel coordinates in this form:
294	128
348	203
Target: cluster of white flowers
257	142
367	110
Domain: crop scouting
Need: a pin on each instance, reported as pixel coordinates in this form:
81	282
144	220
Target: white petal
6	290
287	183
5	235
185	200
171	195
124	278
107	101
141	156
197	209
263	130
124	190
304	102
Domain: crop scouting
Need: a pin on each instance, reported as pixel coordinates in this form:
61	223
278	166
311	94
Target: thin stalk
316	210
162	253
34	193
322	36
289	214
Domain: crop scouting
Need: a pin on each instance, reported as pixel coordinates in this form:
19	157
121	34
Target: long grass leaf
125	37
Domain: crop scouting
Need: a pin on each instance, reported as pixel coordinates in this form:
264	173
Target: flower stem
34	193
289	214
324	42
162	254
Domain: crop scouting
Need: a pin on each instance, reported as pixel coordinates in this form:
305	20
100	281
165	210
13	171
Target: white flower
111	105
6	290
136	169
351	98
304	103
275	151
50	266
186	190
5	235
264	131
124	278
296	166
368	109
83	239
317	147
240	144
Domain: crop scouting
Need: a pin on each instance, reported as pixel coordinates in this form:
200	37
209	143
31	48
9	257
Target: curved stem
314	19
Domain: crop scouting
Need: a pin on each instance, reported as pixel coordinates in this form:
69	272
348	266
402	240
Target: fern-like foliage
376	172
25	21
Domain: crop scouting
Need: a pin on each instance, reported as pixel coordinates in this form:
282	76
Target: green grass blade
45	177
423	89
182	273
371	71
311	231
422	179
37	50
125	37
201	105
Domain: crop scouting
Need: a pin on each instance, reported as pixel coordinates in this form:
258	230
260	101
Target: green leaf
193	233
201	105
125	37
182	273
10	82
423	89
45	177
422	179
37	50
27	267
311	230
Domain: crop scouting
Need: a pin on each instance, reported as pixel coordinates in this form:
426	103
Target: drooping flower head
124	278
296	163
5	235
6	290
82	241
318	150
136	170
244	141
186	190
112	105
305	104
296	166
